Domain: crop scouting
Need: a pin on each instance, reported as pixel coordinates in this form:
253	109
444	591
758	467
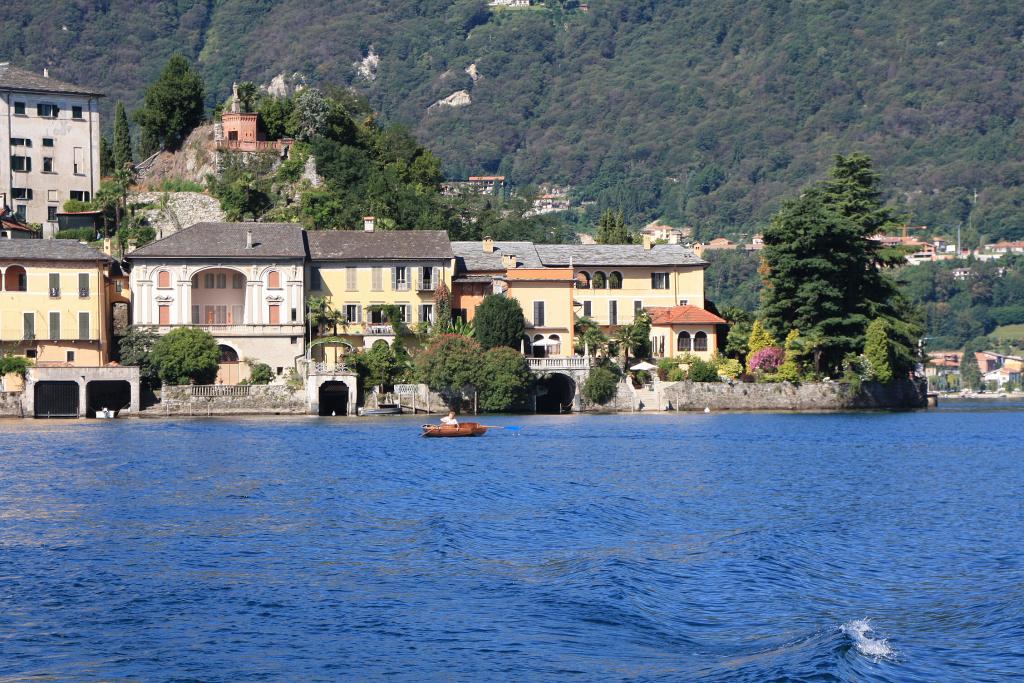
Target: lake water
846	547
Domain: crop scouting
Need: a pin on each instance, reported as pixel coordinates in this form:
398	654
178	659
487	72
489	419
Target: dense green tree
970	371
499	321
260	373
611	229
505	380
173	104
106	157
122	138
380	365
589	337
878	352
450	365
601	385
184	355
633	340
442	305
135	348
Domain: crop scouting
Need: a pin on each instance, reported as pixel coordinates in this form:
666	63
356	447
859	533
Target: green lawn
1009	332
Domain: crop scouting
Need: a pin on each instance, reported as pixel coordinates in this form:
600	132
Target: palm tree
247	92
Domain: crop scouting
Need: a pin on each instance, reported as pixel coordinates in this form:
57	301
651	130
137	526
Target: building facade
241	282
54	302
50	145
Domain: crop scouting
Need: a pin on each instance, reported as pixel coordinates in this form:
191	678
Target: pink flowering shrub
767	360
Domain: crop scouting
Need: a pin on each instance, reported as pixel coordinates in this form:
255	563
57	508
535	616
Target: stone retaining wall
270	399
10	404
788	396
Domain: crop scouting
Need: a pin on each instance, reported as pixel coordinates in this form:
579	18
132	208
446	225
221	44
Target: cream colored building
50	144
241	282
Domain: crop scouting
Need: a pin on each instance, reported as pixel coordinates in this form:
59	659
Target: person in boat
450	419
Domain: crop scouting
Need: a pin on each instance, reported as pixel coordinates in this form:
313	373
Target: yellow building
358	272
54	305
678	330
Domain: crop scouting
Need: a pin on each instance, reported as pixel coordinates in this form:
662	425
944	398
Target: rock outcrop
173	211
459	98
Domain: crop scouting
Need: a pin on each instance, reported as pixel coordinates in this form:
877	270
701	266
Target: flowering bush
766	360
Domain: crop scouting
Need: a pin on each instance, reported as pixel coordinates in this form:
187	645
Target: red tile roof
682	315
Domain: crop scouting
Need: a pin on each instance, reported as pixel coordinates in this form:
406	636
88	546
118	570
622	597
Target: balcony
327	368
426	285
378	330
54	292
567	363
244	330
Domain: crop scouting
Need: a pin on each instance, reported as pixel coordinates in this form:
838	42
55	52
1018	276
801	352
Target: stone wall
177	210
10	404
788	396
270	399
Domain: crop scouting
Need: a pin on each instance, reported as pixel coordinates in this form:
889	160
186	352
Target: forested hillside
704	113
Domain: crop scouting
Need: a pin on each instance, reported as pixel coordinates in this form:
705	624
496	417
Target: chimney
648	243
108	246
248	238
508	261
488	245
46	73
368	223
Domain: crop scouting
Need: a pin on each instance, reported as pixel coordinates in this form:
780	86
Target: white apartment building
49	145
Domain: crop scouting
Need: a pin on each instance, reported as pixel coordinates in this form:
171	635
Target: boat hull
463	429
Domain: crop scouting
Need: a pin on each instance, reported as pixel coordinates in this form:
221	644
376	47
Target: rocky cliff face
173	211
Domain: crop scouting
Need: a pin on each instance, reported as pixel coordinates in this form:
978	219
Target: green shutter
54	284
83	326
83	284
30	326
55	326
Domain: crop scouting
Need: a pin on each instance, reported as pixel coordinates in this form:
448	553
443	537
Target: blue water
849	547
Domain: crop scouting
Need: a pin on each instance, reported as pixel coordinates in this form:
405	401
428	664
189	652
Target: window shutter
83	326
394	279
83	284
54	283
30	325
55	326
538	314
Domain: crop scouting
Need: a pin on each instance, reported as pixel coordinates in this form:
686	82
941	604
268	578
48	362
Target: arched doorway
115	395
227	371
56	399
555	394
15	279
333	397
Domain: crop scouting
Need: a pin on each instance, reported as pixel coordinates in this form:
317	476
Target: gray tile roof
391	245
48	250
608	255
228	240
471	257
13	78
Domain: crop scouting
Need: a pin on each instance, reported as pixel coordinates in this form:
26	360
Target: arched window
539	348
15	279
228	354
274	280
700	341
163	279
600	281
556	348
683	343
583	280
615	280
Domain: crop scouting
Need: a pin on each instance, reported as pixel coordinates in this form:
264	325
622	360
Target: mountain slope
705	113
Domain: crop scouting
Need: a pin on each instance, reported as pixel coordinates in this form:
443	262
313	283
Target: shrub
505	380
703	371
728	367
18	365
77	234
601	386
186	354
499	322
260	373
135	348
449	365
766	360
180	185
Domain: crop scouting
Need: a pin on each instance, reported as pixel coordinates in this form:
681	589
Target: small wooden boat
382	409
462	429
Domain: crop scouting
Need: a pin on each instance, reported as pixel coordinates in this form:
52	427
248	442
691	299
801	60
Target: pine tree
878	352
173	105
760	338
970	372
106	157
122	138
611	228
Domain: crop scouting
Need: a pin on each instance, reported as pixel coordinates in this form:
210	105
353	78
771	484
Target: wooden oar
511	428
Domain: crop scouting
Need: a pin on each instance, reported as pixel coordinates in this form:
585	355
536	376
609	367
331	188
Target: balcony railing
247	329
379	330
326	368
217	390
568	363
426	285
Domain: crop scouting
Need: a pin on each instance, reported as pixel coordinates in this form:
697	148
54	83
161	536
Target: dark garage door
56	399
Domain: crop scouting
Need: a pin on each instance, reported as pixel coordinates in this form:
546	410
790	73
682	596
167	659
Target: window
79	195
637	307
615	280
164	314
275	314
71	356
556	348
83	284
76	112
208	281
19	108
235	315
163	279
353	313
79	161
237	281
47	164
659	280
400	279
54	284
295	314
118	285
83	326
274	280
427	278
406	312
426	313
47	142
700	341
613	312
377	280
55	325
316	283
222	280
683	342
30	325
376	315
683	302
48	111
51	213
216	315
21	193
351	279
21	164
538	314
21	142
21	211
587	308
30	353
599	281
196	318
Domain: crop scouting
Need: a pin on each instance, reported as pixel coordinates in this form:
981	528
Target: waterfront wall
788	396
10	404
270	399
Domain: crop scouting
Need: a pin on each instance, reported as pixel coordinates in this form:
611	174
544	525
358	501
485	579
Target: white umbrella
644	365
545	342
